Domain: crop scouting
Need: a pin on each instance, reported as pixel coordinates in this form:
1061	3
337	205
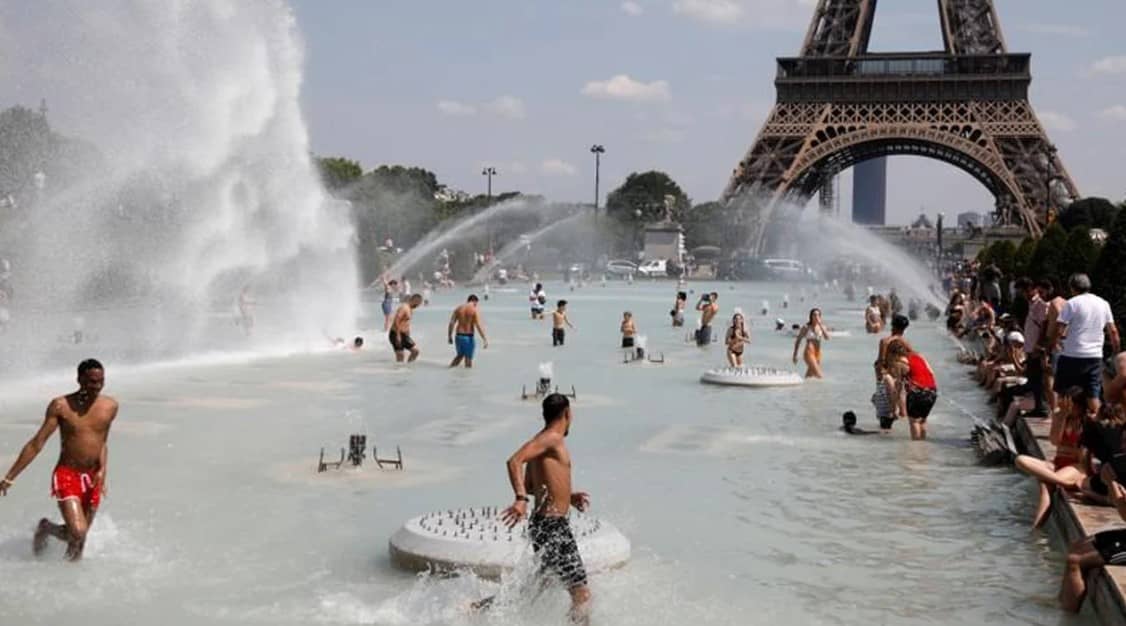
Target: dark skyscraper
869	192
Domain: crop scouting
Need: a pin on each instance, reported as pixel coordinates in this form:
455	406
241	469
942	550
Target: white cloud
507	106
1057	121
622	87
632	8
1065	30
453	108
1109	65
558	167
714	11
1116	113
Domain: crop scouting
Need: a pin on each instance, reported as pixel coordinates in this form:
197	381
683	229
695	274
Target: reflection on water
745	506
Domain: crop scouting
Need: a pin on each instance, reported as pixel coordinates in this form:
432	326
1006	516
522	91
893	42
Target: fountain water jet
206	183
511	248
462	228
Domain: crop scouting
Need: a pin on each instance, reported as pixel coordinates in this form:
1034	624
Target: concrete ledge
1072	520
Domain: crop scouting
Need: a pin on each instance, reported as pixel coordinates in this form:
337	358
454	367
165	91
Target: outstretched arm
480	329
31	448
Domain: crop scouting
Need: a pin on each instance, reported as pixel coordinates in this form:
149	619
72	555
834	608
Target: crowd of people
1053	351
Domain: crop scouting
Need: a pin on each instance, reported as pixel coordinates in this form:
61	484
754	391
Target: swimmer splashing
83	419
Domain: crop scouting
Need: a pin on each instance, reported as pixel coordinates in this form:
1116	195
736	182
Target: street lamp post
938	242
598	151
1050	175
488	172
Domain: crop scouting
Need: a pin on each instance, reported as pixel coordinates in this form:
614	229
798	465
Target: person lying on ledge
1103	548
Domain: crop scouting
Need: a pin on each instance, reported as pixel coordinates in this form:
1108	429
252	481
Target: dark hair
89	364
811	312
1022	283
358	342
472	298
561	304
680	295
392	282
539	286
416	296
1047	285
849	418
715	296
554	406
900	321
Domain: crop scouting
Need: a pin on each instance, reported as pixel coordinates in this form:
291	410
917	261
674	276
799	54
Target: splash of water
547	370
830	237
826	238
523	241
206	183
460	229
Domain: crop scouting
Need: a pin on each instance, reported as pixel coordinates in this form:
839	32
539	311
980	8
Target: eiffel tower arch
838	105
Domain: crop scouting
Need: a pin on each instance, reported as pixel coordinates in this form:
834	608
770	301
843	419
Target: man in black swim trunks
542	468
400	333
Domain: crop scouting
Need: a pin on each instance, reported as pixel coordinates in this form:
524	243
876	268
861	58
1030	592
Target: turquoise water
744	506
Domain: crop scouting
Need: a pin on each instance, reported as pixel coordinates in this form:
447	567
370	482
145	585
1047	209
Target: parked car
654	268
621	267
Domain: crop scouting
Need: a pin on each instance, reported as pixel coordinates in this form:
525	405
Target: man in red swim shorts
83	419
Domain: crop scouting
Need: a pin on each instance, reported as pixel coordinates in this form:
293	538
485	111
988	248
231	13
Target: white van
654	268
785	268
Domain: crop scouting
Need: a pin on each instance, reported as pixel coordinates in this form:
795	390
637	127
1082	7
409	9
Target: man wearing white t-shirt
1085	324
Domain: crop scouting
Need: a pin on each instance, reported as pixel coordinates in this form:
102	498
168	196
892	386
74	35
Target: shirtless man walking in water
467	319
542	468
708	306
400	333
83	419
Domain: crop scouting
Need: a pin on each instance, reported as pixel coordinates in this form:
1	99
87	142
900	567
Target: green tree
1003	255
1023	258
338	172
391	202
1079	253
1091	212
1047	261
642	197
1109	275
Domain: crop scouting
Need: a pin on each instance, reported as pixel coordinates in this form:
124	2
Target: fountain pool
743	506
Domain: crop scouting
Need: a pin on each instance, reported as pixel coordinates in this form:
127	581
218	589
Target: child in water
629	330
558	321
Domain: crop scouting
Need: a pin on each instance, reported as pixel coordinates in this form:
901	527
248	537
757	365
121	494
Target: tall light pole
489	172
598	151
1050	175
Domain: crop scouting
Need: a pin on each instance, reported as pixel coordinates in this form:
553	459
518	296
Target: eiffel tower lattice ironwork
837	105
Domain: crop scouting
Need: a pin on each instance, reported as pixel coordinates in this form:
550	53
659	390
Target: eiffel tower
839	105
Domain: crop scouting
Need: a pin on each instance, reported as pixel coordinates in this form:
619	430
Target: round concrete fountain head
477	539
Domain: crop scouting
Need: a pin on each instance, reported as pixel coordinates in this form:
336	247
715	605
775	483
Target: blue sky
524	85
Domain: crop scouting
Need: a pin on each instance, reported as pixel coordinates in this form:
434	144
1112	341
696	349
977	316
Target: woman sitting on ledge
1065	470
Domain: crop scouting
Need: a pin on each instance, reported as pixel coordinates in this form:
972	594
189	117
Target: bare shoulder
108	402
550	439
58	406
